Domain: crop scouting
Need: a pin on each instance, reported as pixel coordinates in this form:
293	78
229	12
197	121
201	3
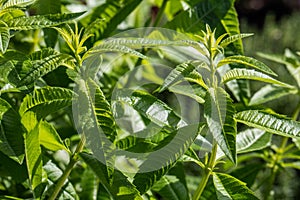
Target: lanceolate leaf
269	122
33	157
17	4
4	37
150	107
251	75
252	140
11	132
234	38
164	156
177	74
54	173
248	61
170	187
49	138
219	113
46	100
120	188
94	119
41	63
270	93
228	187
40	21
112	14
194	91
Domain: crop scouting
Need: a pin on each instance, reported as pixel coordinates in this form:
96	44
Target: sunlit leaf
269	122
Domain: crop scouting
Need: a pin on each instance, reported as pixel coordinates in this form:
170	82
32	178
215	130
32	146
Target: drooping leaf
54	173
234	38
49	138
276	124
219	113
112	14
41	63
40	21
228	187
46	100
11	132
170	187
4	37
269	93
251	75
119	187
248	61
252	140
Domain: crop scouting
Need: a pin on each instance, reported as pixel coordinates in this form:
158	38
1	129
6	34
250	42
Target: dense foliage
92	108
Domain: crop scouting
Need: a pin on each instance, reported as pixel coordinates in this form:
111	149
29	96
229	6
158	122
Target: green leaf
40	21
11	132
46	100
17	4
170	187
248	61
107	47
230	22
89	184
177	74
194	91
251	75
228	187
234	38
53	174
219	112
270	93
150	107
120	188
41	63
49	138
112	14
272	123
33	158
164	156
205	12
252	140
4	37
93	116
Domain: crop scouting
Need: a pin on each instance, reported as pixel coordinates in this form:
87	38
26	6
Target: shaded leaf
4	37
170	187
11	132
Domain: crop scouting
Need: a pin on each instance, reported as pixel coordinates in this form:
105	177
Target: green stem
160	13
207	172
61	181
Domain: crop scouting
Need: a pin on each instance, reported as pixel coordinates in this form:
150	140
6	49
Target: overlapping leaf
46	100
228	187
11	132
219	113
